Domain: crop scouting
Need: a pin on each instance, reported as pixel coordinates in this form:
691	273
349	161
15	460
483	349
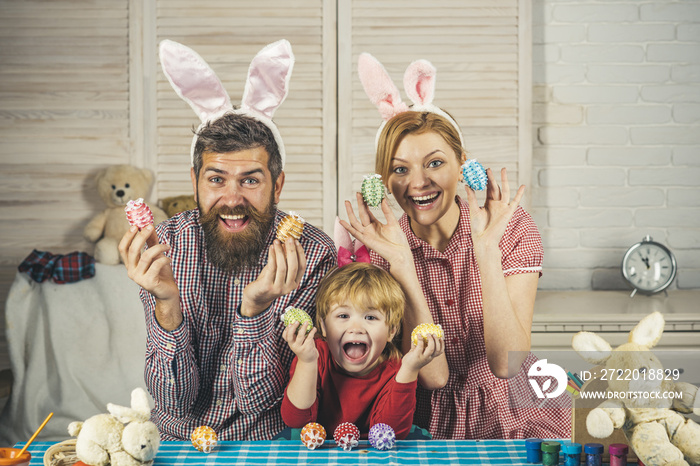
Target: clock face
649	267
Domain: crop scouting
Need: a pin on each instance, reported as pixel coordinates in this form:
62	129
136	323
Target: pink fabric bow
348	250
346	257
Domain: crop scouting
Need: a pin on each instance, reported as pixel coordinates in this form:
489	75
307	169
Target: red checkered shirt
218	368
475	404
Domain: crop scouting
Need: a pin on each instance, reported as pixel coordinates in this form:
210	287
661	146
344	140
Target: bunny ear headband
348	250
195	82
418	81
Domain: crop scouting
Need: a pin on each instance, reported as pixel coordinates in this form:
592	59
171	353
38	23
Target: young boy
355	373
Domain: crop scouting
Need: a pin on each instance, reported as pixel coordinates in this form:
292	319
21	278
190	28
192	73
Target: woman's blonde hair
365	286
407	123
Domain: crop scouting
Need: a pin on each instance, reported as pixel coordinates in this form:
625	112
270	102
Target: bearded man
215	282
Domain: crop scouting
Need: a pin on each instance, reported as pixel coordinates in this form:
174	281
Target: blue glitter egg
474	175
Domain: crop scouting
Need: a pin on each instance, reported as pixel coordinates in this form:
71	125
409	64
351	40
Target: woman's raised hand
387	240
488	223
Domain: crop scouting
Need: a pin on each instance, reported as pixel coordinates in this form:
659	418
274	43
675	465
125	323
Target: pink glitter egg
347	436
138	213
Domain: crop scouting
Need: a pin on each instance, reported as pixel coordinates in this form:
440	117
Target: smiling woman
478	267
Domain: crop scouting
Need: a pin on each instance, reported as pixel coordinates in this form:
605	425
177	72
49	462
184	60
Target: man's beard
233	252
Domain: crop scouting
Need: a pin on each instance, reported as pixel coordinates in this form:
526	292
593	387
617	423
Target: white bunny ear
419	82
193	80
267	84
379	87
140	403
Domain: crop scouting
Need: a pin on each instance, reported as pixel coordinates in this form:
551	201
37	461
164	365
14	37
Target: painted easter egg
382	436
294	314
347	436
372	190
204	439
474	175
291	226
313	435
425	329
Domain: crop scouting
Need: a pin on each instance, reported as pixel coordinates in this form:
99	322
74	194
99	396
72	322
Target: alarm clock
649	267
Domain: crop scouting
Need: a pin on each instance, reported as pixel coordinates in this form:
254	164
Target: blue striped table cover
293	453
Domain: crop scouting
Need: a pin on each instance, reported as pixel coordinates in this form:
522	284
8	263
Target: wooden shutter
228	35
481	51
64	88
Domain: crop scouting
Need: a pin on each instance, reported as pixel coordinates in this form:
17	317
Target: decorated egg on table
291	226
474	175
372	190
347	436
313	435
426	329
294	314
382	436
204	439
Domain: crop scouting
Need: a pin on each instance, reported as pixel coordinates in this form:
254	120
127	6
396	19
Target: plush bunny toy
105	439
642	405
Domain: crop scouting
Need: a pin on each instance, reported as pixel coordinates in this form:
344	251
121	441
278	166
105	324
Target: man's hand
281	275
151	270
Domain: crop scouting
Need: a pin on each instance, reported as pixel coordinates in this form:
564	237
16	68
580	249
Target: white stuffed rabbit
657	431
105	439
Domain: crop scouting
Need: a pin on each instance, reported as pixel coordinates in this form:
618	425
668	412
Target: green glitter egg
294	314
373	190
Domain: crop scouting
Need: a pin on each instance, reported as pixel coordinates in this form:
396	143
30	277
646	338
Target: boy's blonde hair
365	286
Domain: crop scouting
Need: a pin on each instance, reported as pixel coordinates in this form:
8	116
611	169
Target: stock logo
543	369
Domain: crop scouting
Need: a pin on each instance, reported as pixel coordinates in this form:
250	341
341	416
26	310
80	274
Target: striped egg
291	226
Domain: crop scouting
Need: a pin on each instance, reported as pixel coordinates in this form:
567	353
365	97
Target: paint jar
594	454
550	453
572	454
8	456
618	454
534	450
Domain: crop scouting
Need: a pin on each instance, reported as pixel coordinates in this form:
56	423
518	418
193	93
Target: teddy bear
176	204
105	439
117	185
643	399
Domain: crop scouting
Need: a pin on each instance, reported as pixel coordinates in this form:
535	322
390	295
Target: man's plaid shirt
219	368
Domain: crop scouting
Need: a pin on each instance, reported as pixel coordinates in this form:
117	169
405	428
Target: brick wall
617	136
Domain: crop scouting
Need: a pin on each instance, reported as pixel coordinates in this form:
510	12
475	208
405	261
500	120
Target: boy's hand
422	353
419	356
300	343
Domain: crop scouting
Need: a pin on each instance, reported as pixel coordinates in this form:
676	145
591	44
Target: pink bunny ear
193	80
349	251
268	78
419	82
341	237
379	87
